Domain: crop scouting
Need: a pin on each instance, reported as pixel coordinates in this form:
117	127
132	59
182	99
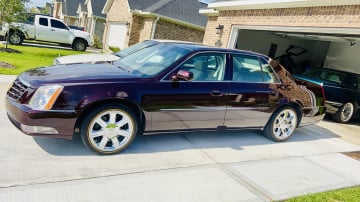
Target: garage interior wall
260	41
343	56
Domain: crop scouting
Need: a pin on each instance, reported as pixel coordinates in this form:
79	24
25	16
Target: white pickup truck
49	29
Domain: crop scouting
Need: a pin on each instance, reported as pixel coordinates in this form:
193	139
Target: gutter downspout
154	27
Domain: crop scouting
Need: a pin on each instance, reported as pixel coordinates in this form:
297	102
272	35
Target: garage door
302	47
117	35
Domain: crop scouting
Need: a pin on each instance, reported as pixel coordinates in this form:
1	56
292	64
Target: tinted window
43	21
206	67
247	68
58	24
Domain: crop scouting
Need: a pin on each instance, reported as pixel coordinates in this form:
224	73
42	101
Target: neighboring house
66	10
132	21
329	30
95	22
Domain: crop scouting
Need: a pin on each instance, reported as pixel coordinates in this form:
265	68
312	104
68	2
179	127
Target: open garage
315	33
299	49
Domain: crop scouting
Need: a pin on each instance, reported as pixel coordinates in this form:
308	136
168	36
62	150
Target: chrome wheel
346	112
110	130
282	124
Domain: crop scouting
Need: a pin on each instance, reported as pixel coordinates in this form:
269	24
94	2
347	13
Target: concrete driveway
202	166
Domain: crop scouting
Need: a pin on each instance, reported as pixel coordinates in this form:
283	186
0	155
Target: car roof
201	47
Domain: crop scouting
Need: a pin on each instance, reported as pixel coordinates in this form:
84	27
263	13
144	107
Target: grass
30	57
343	195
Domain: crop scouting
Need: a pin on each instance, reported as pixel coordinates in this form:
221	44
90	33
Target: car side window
206	66
247	68
58	24
43	22
268	72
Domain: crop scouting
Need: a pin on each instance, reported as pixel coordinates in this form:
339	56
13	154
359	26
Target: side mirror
183	75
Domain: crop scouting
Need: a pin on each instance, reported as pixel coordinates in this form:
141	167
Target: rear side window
247	68
58	24
43	22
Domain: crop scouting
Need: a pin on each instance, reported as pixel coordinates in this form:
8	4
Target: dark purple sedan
168	86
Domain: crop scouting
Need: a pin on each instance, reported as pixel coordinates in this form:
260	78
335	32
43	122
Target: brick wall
168	30
326	16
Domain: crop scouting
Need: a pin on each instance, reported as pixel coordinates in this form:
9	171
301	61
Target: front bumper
56	124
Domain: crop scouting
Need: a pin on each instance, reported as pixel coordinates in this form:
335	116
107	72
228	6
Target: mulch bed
355	155
6	65
9	50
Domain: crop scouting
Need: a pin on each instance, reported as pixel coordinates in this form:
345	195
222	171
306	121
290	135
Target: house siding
325	16
167	30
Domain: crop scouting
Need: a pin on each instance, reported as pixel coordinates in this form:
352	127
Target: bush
114	49
97	42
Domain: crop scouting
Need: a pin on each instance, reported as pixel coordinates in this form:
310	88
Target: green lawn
342	195
30	57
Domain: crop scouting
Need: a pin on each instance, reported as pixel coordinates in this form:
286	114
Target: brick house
328	30
132	21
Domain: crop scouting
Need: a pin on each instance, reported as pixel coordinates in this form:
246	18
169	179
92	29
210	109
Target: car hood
86	58
80	73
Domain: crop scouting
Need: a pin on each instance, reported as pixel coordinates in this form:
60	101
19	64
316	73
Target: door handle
216	93
53	30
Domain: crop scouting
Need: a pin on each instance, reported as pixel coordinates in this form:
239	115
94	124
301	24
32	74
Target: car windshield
315	73
152	60
134	48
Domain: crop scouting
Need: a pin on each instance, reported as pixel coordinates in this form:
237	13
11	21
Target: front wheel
345	113
109	129
282	124
16	38
79	45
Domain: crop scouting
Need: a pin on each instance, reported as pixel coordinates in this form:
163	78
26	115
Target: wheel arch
140	116
297	105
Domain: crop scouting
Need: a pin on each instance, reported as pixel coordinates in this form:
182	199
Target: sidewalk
5	81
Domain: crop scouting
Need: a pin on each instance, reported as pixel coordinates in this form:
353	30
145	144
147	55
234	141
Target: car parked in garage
165	87
342	91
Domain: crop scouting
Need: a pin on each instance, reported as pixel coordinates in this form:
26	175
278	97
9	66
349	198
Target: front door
59	32
196	104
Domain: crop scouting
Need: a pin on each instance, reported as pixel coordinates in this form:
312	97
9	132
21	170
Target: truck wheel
16	38
79	45
109	129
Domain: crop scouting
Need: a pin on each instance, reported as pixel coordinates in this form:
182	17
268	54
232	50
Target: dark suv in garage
342	91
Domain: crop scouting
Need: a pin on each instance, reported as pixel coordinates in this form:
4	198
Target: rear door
251	94
43	29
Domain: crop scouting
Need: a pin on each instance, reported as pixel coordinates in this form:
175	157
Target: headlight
45	97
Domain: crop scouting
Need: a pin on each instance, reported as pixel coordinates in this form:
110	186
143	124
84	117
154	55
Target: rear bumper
309	120
56	124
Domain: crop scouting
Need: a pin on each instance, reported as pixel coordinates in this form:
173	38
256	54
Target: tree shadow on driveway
167	142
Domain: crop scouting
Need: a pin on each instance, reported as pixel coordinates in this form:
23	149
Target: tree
9	10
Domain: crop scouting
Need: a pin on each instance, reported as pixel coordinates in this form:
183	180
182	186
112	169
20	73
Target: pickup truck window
43	21
58	24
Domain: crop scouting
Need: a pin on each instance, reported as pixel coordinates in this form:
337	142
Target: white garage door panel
117	35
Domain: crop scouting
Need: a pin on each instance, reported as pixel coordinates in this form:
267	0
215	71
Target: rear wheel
16	38
79	45
345	113
282	124
109	129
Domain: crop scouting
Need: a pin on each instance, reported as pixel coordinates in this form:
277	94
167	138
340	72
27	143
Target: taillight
323	92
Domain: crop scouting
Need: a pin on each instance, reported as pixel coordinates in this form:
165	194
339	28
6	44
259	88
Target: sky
34	3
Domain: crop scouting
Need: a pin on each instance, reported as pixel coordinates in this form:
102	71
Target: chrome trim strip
334	103
198	109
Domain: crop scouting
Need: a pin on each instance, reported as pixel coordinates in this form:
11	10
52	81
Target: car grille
17	90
